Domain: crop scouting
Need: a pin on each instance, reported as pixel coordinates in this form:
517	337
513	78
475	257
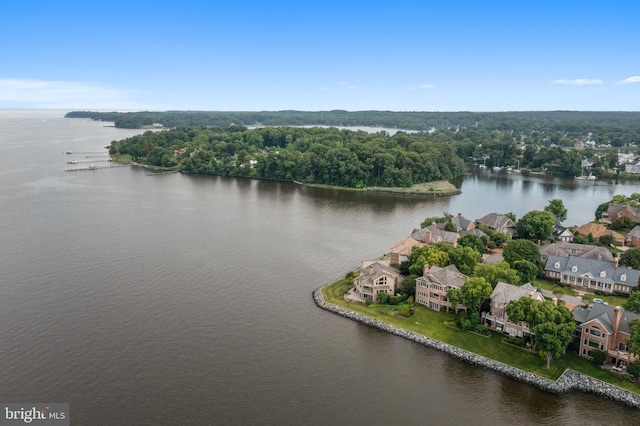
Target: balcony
622	356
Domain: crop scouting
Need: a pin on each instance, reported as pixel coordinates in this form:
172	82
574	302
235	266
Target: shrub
598	357
516	341
634	369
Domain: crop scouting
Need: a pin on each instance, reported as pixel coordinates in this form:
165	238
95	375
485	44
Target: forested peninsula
326	156
266	145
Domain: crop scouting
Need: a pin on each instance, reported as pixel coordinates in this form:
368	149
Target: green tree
553	339
465	259
634	339
622	224
382	297
473	241
495	272
607	240
536	225
557	208
631	258
527	271
633	303
601	209
520	250
473	293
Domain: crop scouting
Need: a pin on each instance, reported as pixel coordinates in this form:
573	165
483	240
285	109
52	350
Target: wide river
182	299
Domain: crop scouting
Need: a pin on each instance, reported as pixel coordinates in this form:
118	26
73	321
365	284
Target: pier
92	168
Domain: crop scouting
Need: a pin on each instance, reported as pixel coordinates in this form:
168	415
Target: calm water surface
187	299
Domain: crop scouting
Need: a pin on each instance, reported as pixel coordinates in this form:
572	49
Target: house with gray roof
499	223
605	328
591	275
566	249
432	234
502	294
433	285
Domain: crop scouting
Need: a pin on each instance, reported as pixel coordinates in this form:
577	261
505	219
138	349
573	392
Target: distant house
597	231
591	275
632	168
179	152
460	222
402	249
616	210
377	276
561	233
497	317
499	223
432	287
633	237
605	328
432	234
566	249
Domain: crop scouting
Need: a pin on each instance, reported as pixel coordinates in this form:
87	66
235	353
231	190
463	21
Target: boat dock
94	167
87	161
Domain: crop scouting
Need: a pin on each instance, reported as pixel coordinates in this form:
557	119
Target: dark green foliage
536	225
631	258
527	271
557	208
473	241
431	220
311	155
520	250
633	304
598	357
623	223
382	297
607	240
634	369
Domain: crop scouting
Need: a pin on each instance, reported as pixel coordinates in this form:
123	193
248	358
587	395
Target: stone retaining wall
569	380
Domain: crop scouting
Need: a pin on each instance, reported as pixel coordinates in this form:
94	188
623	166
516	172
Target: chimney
616	261
425	269
617	315
459	214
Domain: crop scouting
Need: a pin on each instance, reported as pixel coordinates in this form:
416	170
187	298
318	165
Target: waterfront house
433	285
616	210
633	237
375	277
499	223
597	231
591	275
432	235
461	223
402	249
566	249
497	317
561	233
605	328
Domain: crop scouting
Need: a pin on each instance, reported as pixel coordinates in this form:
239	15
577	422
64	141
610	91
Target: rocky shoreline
569	381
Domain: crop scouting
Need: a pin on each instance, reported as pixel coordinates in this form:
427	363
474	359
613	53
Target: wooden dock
89	168
87	161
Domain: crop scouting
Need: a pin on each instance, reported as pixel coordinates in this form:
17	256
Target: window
574	268
595	332
556	265
603	273
623	277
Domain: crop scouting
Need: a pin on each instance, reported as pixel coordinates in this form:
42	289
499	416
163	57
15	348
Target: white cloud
634	79
63	94
427	86
579	81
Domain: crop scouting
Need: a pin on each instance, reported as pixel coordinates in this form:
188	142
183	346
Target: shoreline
570	380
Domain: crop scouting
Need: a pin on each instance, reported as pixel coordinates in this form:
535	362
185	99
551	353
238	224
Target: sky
400	55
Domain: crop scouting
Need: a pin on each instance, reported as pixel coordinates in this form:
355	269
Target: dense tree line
311	155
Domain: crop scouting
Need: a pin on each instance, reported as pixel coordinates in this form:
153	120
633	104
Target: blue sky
321	55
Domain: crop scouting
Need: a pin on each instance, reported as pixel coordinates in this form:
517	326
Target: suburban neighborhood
579	267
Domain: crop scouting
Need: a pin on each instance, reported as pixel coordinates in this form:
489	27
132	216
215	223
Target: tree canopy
557	208
631	258
520	250
536	225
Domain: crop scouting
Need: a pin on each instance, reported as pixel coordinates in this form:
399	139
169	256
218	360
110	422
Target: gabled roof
564	248
504	293
497	221
635	232
446	236
604	314
449	275
404	247
372	271
615	209
602	270
473	231
597	231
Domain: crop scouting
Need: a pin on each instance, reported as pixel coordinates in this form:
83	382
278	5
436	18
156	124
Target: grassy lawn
431	324
555	287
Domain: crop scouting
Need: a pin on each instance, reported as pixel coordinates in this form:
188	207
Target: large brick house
377	276
432	287
497	317
605	328
566	249
591	275
499	223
